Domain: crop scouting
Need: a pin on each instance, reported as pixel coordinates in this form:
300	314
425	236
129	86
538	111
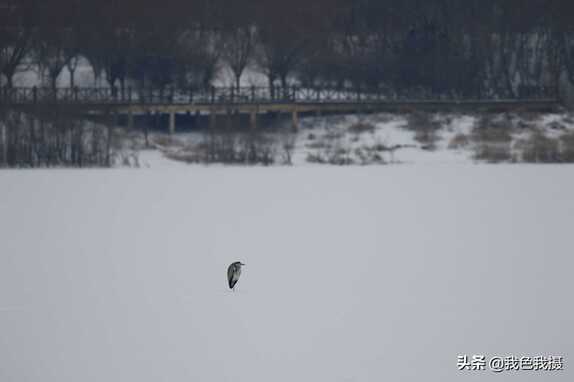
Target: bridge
254	101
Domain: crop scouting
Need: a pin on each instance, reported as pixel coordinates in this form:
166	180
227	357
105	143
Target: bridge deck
255	100
242	95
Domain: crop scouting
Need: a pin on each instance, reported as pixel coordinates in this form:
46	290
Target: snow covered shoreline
383	139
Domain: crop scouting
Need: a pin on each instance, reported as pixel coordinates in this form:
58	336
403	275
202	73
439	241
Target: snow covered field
353	274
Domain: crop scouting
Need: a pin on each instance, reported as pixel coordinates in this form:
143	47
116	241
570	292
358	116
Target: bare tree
50	53
15	44
199	56
278	58
238	48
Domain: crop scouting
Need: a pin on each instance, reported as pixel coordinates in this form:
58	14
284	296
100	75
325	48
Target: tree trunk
284	86
72	78
271	80
97	76
53	82
9	79
238	81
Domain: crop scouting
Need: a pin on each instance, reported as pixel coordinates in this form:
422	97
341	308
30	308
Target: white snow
381	273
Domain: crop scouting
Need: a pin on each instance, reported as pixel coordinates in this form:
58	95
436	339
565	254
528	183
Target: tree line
486	48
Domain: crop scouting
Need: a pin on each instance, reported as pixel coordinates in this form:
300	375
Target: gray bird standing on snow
233	273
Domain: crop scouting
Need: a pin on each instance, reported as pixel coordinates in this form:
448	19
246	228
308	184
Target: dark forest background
486	48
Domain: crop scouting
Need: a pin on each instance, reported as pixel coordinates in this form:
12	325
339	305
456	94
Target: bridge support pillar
253	119
295	119
116	119
212	120
130	120
171	122
229	119
148	121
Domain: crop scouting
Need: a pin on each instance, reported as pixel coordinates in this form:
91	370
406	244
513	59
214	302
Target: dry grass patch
318	145
539	148
567	147
493	139
185	156
361	127
459	141
557	126
493	152
368	156
425	128
166	141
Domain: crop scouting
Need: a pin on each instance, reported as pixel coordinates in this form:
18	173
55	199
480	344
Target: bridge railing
227	95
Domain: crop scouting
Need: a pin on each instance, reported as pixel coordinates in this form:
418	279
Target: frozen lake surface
353	274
